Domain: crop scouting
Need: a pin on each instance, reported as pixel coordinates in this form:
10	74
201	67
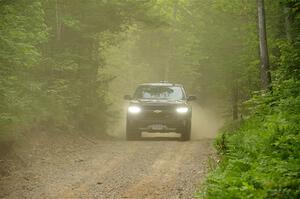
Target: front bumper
159	122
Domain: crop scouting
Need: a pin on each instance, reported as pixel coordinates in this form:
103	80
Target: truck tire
186	133
132	133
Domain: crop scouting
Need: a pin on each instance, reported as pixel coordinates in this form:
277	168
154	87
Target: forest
65	66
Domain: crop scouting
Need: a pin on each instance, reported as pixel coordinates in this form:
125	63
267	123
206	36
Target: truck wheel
186	133
132	134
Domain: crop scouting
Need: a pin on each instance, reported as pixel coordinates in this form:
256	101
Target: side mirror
127	97
191	98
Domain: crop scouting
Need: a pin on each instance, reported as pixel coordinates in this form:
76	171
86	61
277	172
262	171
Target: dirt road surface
151	168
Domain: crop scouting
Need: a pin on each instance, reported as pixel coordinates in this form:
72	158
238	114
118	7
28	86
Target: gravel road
150	168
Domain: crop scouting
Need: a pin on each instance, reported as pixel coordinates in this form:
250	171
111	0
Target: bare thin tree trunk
264	55
287	24
58	20
172	40
235	98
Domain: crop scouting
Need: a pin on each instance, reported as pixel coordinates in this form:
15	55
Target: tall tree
264	55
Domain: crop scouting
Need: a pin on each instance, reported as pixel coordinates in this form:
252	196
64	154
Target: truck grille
162	108
158	114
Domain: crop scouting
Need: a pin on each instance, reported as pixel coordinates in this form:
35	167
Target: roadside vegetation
260	153
260	158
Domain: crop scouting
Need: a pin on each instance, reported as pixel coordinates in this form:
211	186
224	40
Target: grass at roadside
261	158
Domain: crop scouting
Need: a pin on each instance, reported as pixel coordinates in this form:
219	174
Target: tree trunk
172	40
235	98
58	21
264	55
287	24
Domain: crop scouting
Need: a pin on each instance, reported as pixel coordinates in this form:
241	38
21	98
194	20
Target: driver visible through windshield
159	92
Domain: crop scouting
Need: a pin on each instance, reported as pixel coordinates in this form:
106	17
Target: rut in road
114	169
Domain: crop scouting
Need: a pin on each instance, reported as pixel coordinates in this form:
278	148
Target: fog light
134	109
182	109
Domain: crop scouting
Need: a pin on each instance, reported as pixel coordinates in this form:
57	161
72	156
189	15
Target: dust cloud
117	129
205	124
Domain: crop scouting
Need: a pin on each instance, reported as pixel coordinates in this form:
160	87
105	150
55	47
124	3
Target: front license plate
157	127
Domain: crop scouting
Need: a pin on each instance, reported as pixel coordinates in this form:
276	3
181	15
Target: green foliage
22	30
52	59
261	159
63	61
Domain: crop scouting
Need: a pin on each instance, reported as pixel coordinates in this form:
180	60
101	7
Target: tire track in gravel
163	171
163	182
117	169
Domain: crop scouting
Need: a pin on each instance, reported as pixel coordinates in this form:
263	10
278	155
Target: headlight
134	109
182	109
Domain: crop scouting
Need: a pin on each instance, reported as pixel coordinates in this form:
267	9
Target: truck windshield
159	92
